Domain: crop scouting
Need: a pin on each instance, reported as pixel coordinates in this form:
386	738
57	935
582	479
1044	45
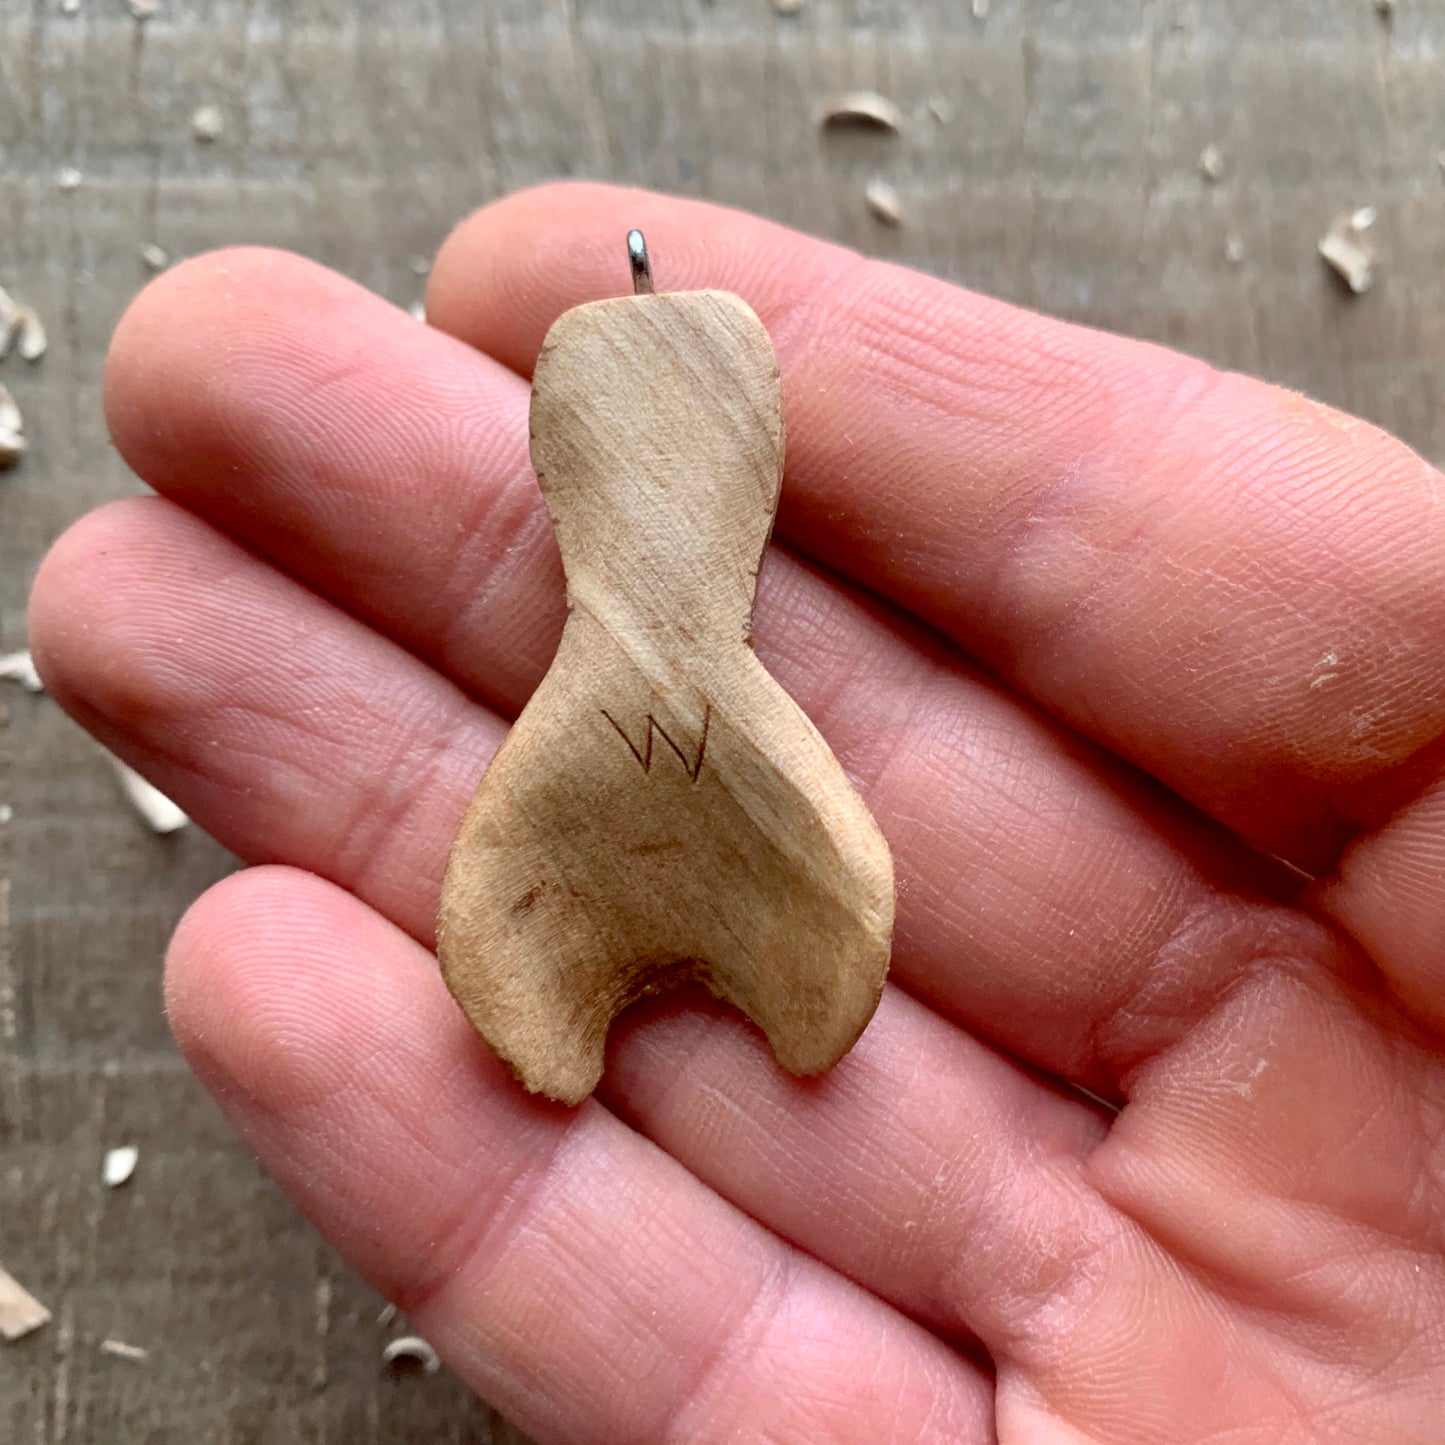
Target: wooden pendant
662	810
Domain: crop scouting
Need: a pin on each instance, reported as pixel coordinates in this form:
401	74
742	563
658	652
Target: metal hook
641	265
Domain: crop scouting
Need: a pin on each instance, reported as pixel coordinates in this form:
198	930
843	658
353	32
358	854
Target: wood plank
1065	177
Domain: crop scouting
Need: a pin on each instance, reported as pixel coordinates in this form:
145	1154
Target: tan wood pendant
662	811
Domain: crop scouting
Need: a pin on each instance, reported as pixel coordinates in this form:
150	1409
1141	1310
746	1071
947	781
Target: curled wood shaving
20	1311
20	667
124	1351
884	203
9	311
119	1165
12	442
207	122
1349	251
156	810
413	1349
30	339
21	325
863	108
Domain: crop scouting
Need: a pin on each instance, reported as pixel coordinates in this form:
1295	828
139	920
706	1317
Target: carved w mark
655	729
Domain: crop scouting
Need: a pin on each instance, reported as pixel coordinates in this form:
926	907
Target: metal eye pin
641	266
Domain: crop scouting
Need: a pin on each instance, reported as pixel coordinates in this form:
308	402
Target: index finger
1230	585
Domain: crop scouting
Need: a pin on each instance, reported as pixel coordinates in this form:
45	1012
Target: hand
1102	633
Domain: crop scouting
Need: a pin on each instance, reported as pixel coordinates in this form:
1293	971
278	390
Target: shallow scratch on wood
20	1311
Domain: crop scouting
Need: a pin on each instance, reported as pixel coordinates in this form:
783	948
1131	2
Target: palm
1228	597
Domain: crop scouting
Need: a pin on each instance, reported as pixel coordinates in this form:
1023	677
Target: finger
290	731
380	461
567	1269
293	732
1004	831
1228	584
1389	893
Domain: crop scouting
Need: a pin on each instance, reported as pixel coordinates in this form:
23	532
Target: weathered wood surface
1066	177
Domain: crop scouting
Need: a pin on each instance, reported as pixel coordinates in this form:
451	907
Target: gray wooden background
1064	176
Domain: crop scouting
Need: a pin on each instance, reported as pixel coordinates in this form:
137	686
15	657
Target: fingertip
207	341
510	269
271	984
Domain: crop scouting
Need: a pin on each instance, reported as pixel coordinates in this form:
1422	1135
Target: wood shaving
68	178
20	1311
884	203
30	339
20	666
156	810
21	325
412	1349
12	446
1211	162
154	257
144	9
865	108
1349	251
9	311
207	123
386	1316
123	1351
119	1165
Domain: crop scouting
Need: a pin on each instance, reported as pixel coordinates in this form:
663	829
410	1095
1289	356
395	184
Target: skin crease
1064	605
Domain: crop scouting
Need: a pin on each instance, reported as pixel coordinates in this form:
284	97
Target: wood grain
1065	178
662	811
